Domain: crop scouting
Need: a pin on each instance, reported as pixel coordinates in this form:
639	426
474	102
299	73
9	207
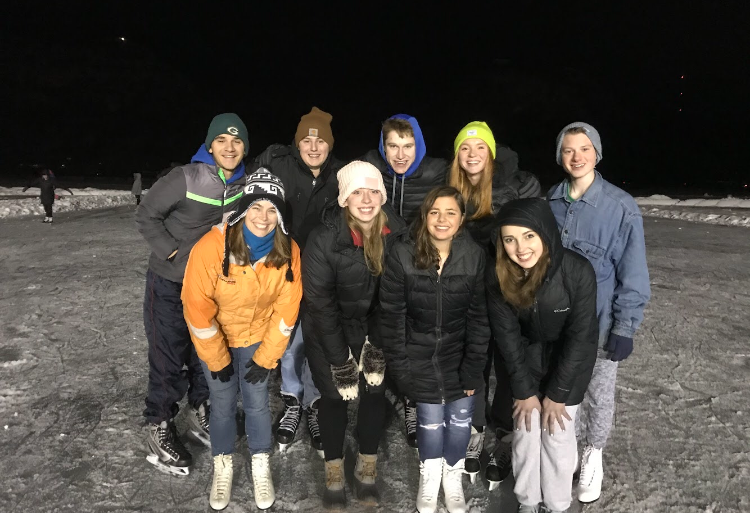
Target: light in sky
122	39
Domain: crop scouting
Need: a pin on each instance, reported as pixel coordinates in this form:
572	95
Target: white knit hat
359	175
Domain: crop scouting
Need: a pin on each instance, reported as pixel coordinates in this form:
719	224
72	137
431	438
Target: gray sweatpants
543	465
594	421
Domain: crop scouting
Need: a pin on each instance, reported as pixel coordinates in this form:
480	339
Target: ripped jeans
443	430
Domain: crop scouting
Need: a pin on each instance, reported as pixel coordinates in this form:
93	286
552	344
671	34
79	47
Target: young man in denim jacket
603	223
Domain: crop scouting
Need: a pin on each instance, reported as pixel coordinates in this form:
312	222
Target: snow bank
661	200
14	203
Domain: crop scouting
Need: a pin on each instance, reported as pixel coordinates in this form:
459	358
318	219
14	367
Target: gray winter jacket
179	209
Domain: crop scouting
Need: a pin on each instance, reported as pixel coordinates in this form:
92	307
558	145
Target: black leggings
47	209
500	414
333	417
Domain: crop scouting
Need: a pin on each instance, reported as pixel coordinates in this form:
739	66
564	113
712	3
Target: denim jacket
605	226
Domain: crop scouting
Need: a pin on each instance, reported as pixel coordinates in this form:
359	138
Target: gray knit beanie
592	134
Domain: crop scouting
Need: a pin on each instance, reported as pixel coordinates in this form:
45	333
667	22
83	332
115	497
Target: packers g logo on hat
233	130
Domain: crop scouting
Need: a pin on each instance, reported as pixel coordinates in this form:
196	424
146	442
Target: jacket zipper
439	333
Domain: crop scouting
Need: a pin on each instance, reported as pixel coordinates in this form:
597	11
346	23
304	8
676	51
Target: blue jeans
443	431
224	407
296	378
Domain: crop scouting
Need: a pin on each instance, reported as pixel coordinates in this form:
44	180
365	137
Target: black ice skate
287	429
410	421
314	428
500	464
198	424
168	454
473	453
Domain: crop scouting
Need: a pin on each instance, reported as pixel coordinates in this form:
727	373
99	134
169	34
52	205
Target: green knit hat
227	123
478	130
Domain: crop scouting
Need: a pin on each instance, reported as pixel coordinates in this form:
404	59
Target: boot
263	490
473	453
365	472
453	487
592	474
334	497
221	487
430	475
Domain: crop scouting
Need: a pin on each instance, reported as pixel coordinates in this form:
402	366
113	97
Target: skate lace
453	486
261	475
312	422
290	419
428	480
333	474
501	457
169	442
203	415
476	442
410	418
222	476
587	471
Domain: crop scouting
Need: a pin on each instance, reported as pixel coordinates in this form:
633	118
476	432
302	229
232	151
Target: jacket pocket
591	251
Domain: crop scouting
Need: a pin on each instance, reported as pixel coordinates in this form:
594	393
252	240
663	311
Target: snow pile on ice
660	199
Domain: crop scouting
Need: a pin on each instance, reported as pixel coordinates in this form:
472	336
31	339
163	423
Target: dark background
665	83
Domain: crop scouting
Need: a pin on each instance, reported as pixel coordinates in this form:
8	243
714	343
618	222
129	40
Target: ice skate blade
167	469
320	453
472	476
283	448
200	438
494	484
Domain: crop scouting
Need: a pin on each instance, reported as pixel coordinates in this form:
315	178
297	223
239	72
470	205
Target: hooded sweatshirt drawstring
393	194
401	205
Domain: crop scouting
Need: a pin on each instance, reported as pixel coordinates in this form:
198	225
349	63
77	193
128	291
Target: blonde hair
373	244
480	195
519	287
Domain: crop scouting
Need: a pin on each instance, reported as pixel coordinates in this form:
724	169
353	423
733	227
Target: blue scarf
259	246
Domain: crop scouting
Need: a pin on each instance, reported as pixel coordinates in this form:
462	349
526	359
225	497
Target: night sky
76	93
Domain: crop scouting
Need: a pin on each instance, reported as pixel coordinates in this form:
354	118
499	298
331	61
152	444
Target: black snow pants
47	209
169	349
500	414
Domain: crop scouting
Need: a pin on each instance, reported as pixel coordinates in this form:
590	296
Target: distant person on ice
241	294
603	223
137	188
541	302
308	170
178	210
47	184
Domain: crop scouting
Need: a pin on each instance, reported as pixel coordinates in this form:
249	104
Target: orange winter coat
254	304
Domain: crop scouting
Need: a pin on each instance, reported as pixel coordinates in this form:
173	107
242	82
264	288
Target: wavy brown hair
402	127
426	255
280	254
518	287
374	243
479	195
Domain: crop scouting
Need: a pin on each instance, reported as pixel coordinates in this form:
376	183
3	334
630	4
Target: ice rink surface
73	374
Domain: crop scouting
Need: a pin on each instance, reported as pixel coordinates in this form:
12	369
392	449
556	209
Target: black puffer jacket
481	229
306	195
550	348
524	183
341	295
406	194
434	327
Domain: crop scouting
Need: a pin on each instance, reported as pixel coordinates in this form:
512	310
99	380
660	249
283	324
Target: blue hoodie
203	156
419	141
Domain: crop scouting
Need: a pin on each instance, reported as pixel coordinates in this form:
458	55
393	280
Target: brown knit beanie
316	123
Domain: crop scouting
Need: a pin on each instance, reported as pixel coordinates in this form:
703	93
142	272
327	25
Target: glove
224	374
372	364
256	373
346	378
618	347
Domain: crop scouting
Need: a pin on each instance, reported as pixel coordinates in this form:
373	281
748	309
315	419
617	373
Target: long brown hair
480	195
280	254
519	287
373	243
426	255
